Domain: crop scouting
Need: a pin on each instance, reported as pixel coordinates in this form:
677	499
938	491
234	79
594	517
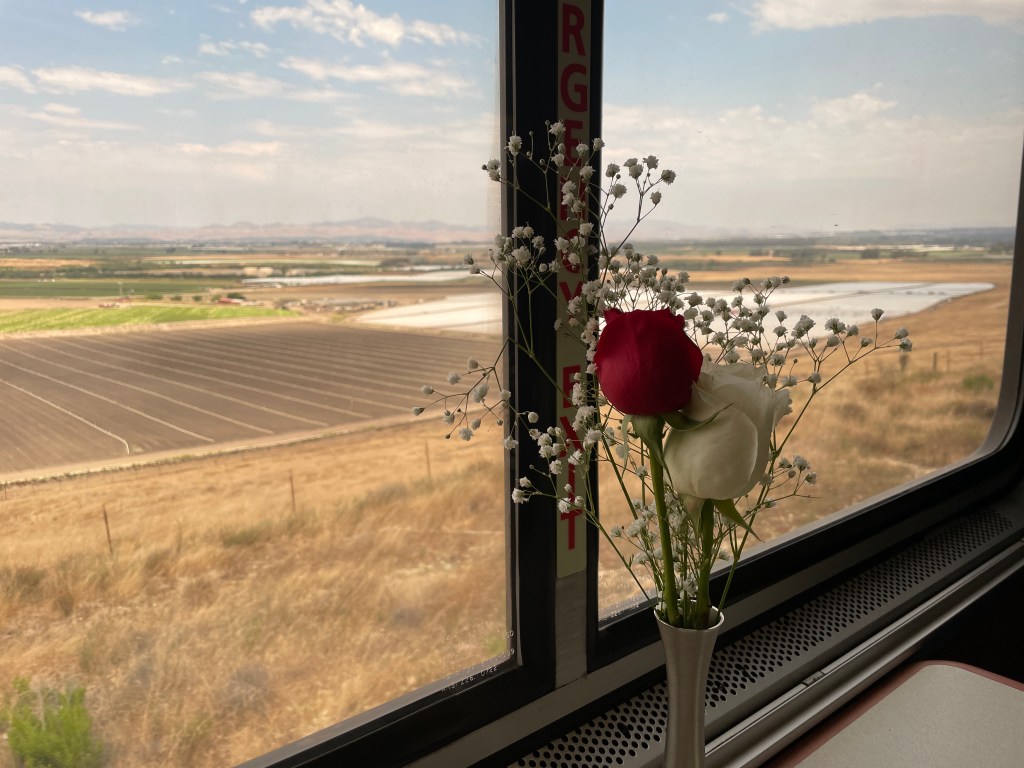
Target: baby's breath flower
454	378
479	392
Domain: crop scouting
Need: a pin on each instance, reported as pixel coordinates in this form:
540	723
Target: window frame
395	733
531	696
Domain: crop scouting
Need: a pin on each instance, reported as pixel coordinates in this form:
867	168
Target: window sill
758	724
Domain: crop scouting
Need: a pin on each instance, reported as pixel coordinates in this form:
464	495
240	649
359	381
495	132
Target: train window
221	521
873	156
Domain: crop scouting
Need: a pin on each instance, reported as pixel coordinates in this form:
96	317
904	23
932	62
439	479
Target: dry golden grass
228	621
879	424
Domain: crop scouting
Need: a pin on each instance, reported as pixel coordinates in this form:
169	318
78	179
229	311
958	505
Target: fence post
291	482
106	524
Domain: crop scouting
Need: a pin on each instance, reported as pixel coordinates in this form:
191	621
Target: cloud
356	24
75	79
62	109
12	77
227	47
249	85
719	18
856	108
277	174
243	85
403	78
68	117
846	162
811	14
238	148
117	21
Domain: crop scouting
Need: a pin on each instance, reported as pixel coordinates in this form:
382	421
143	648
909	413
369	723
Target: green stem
707	534
670	597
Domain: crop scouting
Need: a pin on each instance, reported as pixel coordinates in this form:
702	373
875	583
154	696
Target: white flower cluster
742	329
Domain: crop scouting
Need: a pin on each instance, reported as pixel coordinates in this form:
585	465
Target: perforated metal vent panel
751	667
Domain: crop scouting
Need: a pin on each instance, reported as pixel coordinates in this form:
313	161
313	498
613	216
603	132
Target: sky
778	115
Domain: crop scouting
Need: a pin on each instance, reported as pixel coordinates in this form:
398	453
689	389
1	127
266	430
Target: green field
67	319
105	288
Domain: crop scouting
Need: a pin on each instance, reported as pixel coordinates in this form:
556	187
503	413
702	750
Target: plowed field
70	400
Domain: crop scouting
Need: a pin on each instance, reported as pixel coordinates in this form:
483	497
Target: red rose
646	364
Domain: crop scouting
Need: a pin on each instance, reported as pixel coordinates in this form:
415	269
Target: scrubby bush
50	729
978	382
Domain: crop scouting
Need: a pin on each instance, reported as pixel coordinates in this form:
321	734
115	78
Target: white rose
726	458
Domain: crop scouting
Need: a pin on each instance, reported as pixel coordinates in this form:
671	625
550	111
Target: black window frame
421	723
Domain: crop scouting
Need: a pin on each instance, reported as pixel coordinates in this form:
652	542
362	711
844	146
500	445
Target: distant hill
376	230
365	230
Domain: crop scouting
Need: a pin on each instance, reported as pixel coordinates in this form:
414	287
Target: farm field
221	603
28	320
104	288
114	397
